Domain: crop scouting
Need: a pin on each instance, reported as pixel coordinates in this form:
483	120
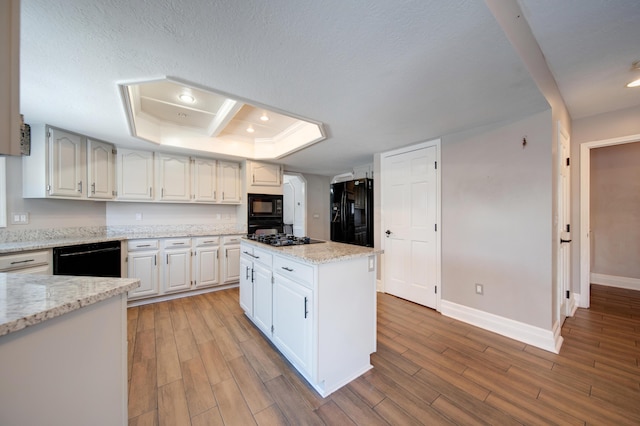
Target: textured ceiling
378	74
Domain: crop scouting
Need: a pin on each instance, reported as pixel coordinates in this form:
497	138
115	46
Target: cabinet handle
214	195
150	195
162	193
143	245
247	273
208	242
22	261
306	311
177	244
80	186
155	260
287	269
252	271
93	188
222	195
167	259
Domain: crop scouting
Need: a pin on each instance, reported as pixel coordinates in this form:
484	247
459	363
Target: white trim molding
613	281
548	340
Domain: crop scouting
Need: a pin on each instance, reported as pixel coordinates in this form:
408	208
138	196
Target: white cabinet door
174	178
229	182
262	302
246	285
144	266
204	180
231	264
205	266
263	174
100	166
135	175
292	321
177	270
66	173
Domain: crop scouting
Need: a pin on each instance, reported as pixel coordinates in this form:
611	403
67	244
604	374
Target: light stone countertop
27	300
319	253
59	237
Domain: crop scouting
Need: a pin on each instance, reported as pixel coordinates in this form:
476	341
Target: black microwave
265	206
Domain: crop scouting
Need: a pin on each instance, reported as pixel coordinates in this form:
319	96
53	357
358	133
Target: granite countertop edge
121	285
320	253
20	246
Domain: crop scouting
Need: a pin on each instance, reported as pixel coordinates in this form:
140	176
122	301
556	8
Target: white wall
497	219
123	213
318	206
47	213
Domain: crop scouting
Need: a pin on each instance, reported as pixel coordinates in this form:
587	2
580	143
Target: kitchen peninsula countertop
27	300
319	253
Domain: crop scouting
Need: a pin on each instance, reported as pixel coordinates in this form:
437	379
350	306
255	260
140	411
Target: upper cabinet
173	177
205	180
67	165
134	175
10	77
263	178
229	182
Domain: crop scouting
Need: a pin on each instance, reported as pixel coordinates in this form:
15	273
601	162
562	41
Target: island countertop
325	252
27	300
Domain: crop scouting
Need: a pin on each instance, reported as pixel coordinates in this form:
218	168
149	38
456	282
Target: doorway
585	211
294	200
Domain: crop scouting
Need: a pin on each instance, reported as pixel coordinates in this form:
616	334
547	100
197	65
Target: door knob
388	232
564	241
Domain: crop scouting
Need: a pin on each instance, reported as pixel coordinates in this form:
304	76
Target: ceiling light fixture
250	129
635	67
264	117
186	98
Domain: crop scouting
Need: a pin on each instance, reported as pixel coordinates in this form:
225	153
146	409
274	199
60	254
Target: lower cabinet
292	320
171	266
321	317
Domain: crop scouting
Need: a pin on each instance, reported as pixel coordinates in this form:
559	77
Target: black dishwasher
91	260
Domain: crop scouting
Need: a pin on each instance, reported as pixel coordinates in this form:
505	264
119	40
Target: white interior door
565	304
409	222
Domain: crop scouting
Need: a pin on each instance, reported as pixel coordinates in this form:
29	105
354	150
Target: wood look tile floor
199	361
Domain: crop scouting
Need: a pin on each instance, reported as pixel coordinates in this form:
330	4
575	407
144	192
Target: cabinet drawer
133	245
262	256
295	271
231	239
175	243
24	260
206	241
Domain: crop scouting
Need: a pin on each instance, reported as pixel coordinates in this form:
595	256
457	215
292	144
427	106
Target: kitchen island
63	350
316	303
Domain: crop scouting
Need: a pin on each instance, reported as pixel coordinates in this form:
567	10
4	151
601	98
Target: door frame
303	182
585	210
564	305
383	159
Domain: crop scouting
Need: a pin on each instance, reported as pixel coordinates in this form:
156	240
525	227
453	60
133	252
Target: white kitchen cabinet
265	174
10	77
256	282
246	283
177	264
323	316
100	170
134	171
229	183
230	259
173	177
66	165
205	262
205	179
293	321
142	258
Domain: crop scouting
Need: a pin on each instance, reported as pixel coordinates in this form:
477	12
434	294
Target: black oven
264	213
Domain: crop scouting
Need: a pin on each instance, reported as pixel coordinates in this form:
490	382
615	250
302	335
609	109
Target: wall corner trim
548	340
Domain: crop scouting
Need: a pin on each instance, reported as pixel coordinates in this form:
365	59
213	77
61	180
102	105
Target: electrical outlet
21	218
138	216
479	289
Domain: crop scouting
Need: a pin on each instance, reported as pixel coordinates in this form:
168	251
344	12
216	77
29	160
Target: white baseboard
548	340
613	281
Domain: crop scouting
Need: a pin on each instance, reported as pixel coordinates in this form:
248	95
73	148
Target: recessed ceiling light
250	129
264	117
634	83
186	98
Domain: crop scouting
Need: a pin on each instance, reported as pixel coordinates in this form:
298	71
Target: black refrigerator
352	212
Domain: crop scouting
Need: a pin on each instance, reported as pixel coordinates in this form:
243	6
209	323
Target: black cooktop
279	240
